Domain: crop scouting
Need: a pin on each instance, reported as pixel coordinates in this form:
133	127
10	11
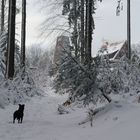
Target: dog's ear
23	105
19	105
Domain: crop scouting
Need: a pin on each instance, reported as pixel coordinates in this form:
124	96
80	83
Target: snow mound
18	90
103	111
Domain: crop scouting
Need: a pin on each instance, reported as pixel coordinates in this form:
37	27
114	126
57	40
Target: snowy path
42	122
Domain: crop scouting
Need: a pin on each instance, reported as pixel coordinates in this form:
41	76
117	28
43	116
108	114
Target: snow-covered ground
42	122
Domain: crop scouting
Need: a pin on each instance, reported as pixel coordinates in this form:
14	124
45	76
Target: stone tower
61	44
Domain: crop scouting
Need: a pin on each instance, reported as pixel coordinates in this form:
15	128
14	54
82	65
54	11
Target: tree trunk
89	31
82	32
75	28
11	39
2	14
128	29
23	33
86	31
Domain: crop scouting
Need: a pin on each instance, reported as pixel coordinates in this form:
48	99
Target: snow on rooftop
113	47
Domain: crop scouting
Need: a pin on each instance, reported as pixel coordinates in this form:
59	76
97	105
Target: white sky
112	27
108	25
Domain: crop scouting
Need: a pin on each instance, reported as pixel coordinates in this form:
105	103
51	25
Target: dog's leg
21	119
13	120
18	120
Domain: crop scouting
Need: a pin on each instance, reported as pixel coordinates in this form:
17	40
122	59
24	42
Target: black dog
18	114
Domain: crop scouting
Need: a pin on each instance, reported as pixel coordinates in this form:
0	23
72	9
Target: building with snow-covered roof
114	50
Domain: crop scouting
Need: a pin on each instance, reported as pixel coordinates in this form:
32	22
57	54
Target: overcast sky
108	25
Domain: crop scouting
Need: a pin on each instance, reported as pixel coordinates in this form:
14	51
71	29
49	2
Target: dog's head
21	107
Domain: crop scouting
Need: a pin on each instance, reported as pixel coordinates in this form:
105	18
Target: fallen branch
61	110
91	114
88	74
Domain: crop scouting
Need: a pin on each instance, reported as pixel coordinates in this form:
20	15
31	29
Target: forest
66	92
